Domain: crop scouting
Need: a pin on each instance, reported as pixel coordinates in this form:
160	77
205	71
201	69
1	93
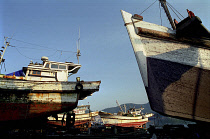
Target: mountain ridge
146	106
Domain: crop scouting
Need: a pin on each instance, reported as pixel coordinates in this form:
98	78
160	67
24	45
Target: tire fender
79	86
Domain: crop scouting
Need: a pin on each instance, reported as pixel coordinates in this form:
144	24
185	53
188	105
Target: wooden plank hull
175	74
21	99
181	90
80	119
21	111
128	124
124	121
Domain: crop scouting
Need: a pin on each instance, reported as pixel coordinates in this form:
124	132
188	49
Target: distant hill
147	108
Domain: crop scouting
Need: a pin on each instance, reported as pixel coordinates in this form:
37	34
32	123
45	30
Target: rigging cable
174	12
24	55
52	54
172	8
60	56
44	48
39	59
4	67
32	48
31	43
160	15
40	46
148	7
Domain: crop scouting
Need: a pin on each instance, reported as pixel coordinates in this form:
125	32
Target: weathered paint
45	86
21	111
21	99
50	70
131	124
170	36
79	118
175	74
154	33
52	97
123	121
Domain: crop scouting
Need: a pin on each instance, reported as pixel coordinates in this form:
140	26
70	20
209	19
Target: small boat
132	118
42	89
174	64
82	117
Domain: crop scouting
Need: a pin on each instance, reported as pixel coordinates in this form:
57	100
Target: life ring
79	86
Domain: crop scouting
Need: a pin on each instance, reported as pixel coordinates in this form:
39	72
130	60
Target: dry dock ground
39	130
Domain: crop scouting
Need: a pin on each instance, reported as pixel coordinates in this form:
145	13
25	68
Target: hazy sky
51	28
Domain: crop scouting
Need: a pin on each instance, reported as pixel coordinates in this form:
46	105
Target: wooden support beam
169	36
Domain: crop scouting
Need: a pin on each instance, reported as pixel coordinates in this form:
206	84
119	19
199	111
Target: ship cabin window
70	67
62	66
36	72
47	65
55	66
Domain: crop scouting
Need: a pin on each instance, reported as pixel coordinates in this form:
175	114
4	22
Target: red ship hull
21	111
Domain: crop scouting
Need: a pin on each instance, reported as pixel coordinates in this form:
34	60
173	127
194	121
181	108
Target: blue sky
50	28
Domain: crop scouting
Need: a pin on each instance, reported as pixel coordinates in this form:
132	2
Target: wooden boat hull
21	111
80	119
127	124
20	99
124	121
175	74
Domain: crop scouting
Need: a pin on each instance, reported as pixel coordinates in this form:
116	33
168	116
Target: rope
25	56
174	12
160	14
3	64
40	46
52	54
5	67
39	59
31	43
174	9
148	7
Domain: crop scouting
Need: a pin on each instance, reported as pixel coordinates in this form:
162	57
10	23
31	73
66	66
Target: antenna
78	47
125	107
7	44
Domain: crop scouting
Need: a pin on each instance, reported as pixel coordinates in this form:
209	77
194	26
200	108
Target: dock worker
190	14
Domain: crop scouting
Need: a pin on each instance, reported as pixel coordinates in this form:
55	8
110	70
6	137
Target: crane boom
119	106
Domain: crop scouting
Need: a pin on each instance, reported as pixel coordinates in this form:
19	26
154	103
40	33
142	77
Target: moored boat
82	117
174	65
132	118
41	90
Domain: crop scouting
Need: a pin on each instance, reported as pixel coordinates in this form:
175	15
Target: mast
125	107
78	47
119	106
7	44
163	4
